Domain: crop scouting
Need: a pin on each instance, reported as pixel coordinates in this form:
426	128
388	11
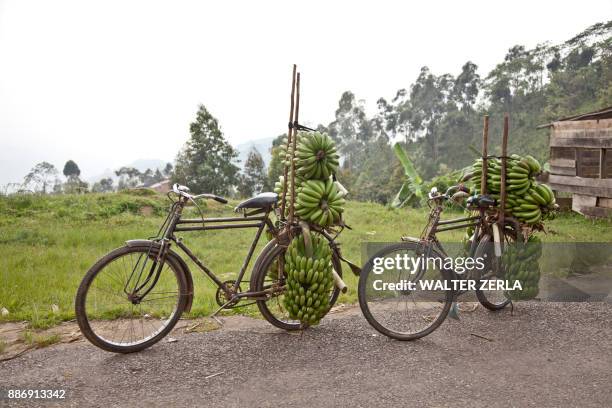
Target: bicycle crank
226	299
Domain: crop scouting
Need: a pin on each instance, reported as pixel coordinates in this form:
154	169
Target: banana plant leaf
475	151
403	196
409	169
412	191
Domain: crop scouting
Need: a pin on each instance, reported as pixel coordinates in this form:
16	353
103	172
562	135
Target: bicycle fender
156	246
268	247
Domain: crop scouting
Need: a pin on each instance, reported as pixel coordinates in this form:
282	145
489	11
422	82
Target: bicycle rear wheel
491	297
115	315
398	311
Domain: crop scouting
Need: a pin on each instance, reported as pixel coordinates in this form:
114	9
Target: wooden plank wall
580	185
581	157
588	162
606	160
584	133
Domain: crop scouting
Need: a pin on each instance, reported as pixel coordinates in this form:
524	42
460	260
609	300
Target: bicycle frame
429	240
480	222
258	218
435	225
223	223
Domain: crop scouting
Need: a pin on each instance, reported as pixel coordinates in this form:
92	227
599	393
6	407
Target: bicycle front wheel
123	305
402	301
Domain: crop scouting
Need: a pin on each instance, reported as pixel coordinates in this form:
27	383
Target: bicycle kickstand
214	315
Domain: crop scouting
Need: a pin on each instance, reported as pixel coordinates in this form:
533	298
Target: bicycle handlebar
211	197
183	191
459	188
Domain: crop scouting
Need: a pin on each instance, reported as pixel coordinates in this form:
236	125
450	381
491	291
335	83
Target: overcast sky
107	82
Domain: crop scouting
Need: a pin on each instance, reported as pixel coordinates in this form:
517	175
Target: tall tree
74	185
276	166
254	177
168	170
129	177
71	169
467	86
399	116
206	163
41	177
158	176
105	185
351	128
430	101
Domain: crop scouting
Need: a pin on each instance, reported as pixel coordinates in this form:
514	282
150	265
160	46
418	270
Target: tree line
45	178
437	120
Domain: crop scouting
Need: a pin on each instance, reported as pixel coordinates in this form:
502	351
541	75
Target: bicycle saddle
262	200
481	201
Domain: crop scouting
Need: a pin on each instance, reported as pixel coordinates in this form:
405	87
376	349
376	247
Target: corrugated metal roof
605	113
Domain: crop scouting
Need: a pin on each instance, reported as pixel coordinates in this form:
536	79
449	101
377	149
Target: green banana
306	297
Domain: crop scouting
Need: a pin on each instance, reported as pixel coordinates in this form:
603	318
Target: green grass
40	340
48	243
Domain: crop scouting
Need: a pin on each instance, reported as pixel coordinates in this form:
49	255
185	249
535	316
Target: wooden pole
293	142
502	194
485	153
289	132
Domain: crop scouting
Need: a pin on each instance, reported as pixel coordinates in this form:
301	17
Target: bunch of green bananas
309	279
278	188
520	261
527	200
316	156
285	149
319	202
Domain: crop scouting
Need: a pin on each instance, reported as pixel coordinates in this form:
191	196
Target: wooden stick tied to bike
485	150
502	194
293	143
289	138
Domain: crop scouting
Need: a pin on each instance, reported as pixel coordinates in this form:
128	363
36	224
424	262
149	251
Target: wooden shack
581	161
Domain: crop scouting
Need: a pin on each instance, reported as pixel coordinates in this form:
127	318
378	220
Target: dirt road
544	355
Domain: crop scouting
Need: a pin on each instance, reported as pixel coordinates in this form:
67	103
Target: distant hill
140	164
143	164
262	145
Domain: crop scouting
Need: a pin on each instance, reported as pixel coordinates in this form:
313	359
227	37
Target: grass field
48	243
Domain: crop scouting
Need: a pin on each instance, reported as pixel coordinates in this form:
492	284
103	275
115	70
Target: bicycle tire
258	282
365	309
81	299
486	240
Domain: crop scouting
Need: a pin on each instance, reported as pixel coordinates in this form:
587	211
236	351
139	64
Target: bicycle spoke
131	323
403	311
154	299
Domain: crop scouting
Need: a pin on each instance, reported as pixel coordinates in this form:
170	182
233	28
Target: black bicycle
133	296
409	301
